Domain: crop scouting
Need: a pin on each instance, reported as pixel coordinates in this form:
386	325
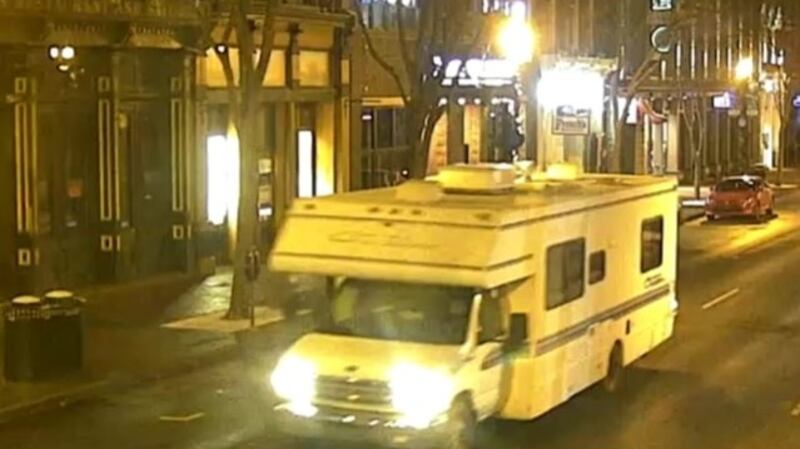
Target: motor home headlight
420	394
294	380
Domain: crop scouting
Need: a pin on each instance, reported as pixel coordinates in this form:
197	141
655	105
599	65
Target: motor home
485	292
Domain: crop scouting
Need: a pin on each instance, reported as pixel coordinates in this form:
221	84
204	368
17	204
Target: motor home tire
462	422
615	375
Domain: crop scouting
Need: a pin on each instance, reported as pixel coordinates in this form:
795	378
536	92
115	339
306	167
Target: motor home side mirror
518	330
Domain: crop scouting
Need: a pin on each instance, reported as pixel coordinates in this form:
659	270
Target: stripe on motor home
571	333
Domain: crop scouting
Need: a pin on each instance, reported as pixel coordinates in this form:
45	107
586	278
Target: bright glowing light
519	11
63	68
68	52
53	52
517	41
304	410
579	88
305	164
744	69
294	380
770	85
420	394
221	186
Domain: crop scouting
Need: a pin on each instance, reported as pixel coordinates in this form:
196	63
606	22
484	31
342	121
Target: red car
740	196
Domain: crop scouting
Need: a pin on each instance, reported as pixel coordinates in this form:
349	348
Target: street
727	380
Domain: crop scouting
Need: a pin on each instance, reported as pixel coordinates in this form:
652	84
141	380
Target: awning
152	39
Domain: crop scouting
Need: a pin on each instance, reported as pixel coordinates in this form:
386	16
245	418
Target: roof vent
419	192
478	178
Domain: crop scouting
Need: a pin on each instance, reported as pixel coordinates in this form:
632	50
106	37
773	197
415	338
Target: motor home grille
355	391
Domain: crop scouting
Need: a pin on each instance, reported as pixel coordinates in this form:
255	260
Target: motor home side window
565	272
597	267
652	243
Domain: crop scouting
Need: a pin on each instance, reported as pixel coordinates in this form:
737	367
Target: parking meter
252	271
253	265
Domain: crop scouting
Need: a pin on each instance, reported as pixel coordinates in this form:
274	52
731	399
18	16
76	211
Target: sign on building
570	121
662	5
475	72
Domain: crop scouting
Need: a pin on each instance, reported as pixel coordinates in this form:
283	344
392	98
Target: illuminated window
306	182
222	178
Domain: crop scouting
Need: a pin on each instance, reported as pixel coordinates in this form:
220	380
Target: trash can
65	333
43	336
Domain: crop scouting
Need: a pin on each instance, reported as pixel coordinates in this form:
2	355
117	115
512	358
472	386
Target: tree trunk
423	123
615	164
248	233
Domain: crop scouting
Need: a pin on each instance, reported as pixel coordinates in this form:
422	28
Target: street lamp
516	39
744	69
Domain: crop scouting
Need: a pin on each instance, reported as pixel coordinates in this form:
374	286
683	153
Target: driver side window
490	319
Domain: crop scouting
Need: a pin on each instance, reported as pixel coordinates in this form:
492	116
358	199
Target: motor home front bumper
337	424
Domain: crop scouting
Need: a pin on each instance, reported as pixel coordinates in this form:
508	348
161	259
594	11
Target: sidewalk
126	340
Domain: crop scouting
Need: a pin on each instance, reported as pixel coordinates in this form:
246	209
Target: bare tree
252	33
686	16
446	31
693	108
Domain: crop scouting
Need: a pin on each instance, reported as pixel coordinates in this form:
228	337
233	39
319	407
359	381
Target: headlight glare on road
420	394
294	380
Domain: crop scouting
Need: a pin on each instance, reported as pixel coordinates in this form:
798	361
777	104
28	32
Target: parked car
740	196
757	170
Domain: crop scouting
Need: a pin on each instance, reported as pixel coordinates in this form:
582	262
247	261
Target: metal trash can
43	336
65	333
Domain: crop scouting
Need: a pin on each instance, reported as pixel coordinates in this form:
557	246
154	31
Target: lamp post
743	76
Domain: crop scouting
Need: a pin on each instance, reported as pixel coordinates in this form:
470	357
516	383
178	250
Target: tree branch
267	41
244	40
362	25
224	56
402	37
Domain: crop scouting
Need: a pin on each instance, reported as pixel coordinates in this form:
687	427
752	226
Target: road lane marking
184	419
721	298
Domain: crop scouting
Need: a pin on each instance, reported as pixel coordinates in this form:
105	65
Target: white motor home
480	293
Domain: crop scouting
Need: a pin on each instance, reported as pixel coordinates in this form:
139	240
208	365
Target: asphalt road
729	379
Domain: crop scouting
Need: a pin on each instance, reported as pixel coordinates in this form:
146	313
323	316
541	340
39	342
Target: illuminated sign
475	72
661	39
570	121
662	5
723	101
796	101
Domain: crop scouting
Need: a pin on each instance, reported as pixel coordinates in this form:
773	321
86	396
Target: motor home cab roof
462	228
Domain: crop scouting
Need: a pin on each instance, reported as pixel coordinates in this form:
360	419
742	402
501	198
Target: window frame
645	265
496	316
565	278
591	279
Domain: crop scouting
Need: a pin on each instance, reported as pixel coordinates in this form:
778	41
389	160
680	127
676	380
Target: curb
56	400
692	217
110	385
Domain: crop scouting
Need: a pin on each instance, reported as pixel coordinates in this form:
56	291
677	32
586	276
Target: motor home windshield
417	313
